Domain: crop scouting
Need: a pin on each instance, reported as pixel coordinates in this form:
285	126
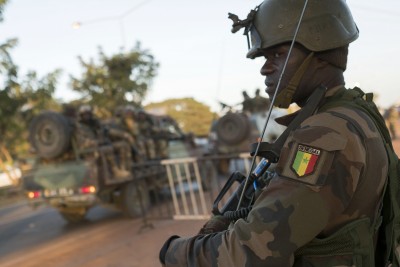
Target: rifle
257	178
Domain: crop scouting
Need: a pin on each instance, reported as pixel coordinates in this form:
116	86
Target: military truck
235	131
73	178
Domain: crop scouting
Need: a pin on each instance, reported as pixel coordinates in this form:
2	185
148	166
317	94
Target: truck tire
131	202
73	218
50	134
232	128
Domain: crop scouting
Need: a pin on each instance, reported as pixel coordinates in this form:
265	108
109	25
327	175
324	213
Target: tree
19	101
7	67
8	74
191	115
117	80
2	4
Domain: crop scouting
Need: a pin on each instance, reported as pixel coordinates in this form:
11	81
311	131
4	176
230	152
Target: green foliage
8	108
20	100
19	103
118	80
191	115
2	4
7	67
37	93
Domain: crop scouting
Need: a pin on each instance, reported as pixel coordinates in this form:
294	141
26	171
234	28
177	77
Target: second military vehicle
235	131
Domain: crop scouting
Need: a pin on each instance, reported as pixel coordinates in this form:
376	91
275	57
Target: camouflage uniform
247	104
84	136
341	182
90	133
125	128
146	131
87	129
260	104
131	126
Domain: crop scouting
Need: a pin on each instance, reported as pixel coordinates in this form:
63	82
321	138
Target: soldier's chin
270	91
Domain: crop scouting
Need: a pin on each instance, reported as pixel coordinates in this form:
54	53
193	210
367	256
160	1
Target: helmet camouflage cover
326	24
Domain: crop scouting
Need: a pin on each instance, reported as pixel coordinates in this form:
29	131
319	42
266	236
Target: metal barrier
186	185
194	184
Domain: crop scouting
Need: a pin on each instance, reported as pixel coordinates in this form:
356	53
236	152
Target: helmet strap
285	97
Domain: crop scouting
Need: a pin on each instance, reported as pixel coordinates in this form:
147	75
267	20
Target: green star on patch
305	160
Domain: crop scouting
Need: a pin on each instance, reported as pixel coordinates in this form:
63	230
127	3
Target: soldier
96	134
87	118
322	205
162	137
260	104
69	111
146	132
129	123
247	104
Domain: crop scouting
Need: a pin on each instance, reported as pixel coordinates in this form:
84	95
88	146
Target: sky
199	56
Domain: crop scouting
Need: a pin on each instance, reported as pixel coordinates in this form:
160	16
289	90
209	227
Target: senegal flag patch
305	160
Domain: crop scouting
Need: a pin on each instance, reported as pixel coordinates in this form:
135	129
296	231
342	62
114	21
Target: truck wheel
49	134
73	217
131	201
232	128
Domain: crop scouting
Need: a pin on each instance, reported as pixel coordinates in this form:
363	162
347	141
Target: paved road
42	238
22	227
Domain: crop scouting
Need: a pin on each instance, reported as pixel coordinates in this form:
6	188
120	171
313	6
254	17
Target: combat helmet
326	25
85	109
129	110
85	112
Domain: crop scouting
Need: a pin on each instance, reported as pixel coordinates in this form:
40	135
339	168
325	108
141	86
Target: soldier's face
86	116
273	66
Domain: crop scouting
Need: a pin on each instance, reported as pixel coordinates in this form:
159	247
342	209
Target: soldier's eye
272	55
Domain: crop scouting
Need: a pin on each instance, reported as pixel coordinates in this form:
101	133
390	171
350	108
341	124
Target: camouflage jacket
332	171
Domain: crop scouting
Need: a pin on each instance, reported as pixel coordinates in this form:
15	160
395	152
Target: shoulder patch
305	160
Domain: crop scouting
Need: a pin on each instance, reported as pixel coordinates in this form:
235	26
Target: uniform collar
287	119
